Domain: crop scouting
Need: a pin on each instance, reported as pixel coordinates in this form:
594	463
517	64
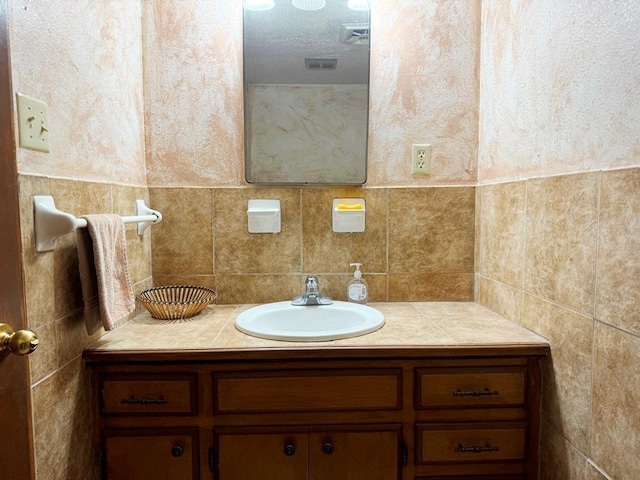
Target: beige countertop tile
435	324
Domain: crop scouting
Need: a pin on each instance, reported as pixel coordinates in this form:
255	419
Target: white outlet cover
420	166
33	123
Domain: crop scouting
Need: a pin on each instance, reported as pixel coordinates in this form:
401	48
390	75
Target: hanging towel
104	272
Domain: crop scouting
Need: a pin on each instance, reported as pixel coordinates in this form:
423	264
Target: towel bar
50	222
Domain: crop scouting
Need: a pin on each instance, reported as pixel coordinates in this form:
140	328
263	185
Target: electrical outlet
420	159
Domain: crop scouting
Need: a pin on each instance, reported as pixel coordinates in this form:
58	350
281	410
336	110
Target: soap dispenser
357	290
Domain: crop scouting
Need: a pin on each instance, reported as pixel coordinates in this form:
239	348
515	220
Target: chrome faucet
311	295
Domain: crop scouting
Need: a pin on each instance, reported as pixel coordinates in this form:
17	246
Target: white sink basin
283	321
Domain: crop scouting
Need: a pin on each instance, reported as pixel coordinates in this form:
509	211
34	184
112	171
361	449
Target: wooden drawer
469	387
469	442
307	390
149	394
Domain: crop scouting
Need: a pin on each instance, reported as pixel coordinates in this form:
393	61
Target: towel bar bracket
50	223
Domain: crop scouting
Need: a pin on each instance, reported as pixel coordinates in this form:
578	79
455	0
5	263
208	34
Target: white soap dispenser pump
357	290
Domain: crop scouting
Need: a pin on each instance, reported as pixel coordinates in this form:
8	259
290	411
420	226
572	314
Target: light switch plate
33	123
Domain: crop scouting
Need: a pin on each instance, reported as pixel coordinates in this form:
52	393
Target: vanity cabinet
323	414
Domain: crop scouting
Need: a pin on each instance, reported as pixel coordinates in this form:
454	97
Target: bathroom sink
283	321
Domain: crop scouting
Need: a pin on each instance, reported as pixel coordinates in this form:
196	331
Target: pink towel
104	272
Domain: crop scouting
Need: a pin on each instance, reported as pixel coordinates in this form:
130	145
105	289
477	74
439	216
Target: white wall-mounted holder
50	223
263	216
349	215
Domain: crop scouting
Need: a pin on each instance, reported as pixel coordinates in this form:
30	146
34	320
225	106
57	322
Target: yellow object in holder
343	206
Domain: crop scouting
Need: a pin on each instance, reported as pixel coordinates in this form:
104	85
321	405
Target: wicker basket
176	301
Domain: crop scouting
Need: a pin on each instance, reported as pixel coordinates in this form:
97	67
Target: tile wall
560	256
60	384
418	243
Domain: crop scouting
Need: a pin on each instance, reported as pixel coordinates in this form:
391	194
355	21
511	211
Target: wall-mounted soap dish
263	216
349	215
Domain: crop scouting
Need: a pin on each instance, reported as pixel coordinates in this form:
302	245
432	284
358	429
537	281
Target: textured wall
91	79
424	81
559	88
193	92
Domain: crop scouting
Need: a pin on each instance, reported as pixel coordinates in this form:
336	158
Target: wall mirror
306	91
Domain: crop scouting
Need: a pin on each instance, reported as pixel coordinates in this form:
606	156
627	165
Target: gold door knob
22	342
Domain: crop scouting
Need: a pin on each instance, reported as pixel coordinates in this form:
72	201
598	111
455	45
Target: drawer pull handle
328	448
144	401
475	449
289	450
475	393
177	451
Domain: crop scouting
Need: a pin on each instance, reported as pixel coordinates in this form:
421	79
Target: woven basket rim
144	298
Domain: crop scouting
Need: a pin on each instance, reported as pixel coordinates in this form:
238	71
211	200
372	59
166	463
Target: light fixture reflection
309	4
359	5
258	4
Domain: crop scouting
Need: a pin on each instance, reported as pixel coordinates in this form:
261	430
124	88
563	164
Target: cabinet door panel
355	453
246	454
140	454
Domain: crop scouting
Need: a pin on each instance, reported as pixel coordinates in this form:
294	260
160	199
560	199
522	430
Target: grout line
599	469
597	233
300	231
387	266
593	306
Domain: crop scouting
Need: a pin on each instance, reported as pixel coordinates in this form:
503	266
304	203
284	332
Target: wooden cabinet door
355	453
262	454
141	454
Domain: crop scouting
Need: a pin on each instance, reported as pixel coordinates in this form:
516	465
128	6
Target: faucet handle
311	284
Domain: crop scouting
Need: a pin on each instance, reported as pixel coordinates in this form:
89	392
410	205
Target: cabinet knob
177	451
289	450
327	448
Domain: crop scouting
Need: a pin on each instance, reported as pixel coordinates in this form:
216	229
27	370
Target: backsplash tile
566	391
431	230
46	361
38	267
561	239
618	281
183	241
238	251
61	423
502	299
615	418
435	253
560	459
503	221
431	287
328	252
257	288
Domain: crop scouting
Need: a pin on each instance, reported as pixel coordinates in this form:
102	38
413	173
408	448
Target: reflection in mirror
306	91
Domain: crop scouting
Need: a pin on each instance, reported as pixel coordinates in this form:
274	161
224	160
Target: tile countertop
417	325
